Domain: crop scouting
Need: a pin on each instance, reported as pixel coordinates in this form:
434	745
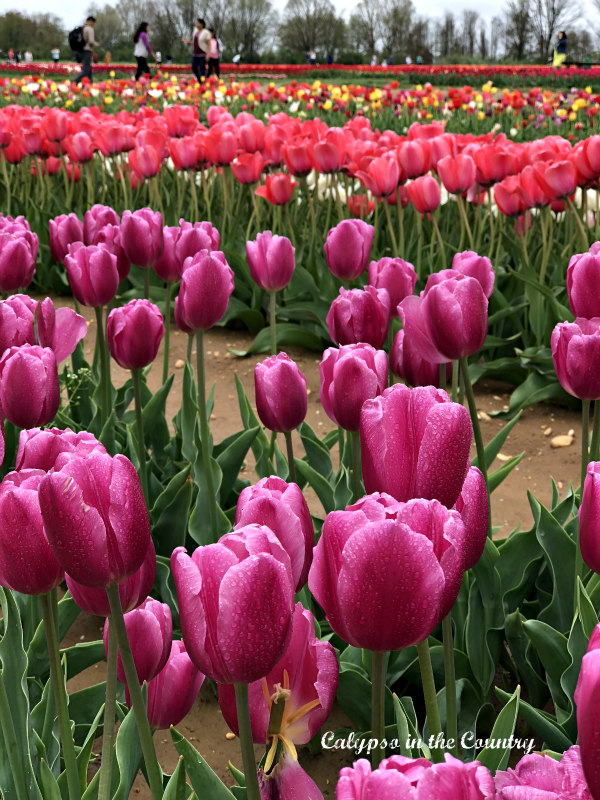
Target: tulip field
344	592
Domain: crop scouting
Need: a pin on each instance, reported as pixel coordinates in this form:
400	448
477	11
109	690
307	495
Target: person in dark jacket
560	51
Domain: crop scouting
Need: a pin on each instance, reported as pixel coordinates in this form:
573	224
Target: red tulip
575	353
457	173
587	700
173	692
278	189
145	161
347	248
381	176
95	220
92	273
247	167
424	194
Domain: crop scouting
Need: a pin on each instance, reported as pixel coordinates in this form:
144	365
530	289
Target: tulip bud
29	387
109	238
64	230
192	240
425	194
396	276
360	316
142	236
381	176
347	248
27	563
349	376
169	266
475	266
247	167
280	391
415	443
93	274
96	518
271	261
587	700
406	363
278	189
149	631
539	776
134	333
575	353
288	780
18	256
206	286
95	219
457	173
173	692
236	601
39	448
473	507
583	275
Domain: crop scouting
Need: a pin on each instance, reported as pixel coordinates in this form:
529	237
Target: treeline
389	29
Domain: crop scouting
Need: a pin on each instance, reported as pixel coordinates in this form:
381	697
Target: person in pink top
214	54
142	50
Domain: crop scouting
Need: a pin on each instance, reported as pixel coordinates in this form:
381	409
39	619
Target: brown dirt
204	726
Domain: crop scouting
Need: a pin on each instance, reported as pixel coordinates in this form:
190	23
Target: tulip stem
10	742
429	693
465	219
104	366
273	321
391	228
139	425
439	238
190	345
168	291
205	434
464	368
450	676
290	456
47	601
584	237
246	746
595	433
7	184
108	734
455	381
153	769
442	377
585	438
146	283
378	672
356	466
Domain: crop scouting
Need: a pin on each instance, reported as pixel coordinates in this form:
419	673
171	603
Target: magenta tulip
415	443
575	353
407	363
308	676
475	266
206	286
192	240
96	518
95	219
93	274
589	518
109	238
347	248
236	601
449	320
169	267
142	236
134	333
358	555
288	780
27	563
39	448
583	277
18	256
281	507
350	375
271	261
473	507
540	777
132	591
64	230
360	316
396	276
280	391
29	387
587	699
173	692
150	632
214	237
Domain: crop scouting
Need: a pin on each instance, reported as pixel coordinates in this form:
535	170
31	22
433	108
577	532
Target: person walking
89	44
55	52
214	56
560	51
142	50
200	44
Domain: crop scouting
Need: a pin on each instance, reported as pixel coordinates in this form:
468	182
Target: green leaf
204	781
493	448
407	731
552	648
287	334
81	656
188	415
525	659
170	513
177	788
37	652
230	455
49	784
156	429
543	724
128	751
497	758
321	485
496	478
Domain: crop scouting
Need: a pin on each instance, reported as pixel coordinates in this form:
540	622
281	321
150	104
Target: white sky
71	10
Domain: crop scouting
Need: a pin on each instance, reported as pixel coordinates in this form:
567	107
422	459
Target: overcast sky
71	10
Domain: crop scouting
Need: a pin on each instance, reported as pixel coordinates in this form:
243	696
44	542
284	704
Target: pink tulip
109	238
280	391
96	518
93	274
278	189
583	276
457	173
214	237
169	267
288	780
396	276
415	443
425	194
142	236
297	160
587	699
18	256
281	507
406	363
95	219
173	692
360	315
326	156
27	563
64	230
575	352
29	387
473	506
449	320
145	161
192	240
349	376
134	333
381	177
540	777
247	167
132	591
358	556
347	248
474	266
236	601
221	144
589	518
415	158
558	179
150	632
206	286
305	680
39	448
271	261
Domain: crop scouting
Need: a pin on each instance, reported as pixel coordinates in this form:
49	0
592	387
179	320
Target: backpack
76	40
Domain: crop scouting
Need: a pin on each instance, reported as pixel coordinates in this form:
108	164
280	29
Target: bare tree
446	32
396	17
547	18
420	39
518	28
469	32
305	24
366	18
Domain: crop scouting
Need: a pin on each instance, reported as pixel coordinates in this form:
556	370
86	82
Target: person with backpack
142	50
214	55
82	41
